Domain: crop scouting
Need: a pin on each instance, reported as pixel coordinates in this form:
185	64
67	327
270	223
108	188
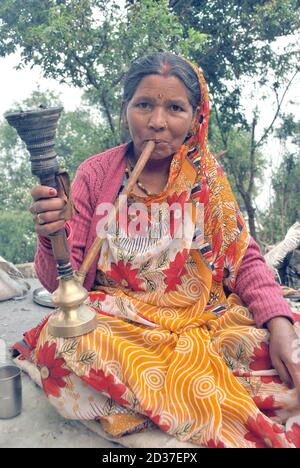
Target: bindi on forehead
161	89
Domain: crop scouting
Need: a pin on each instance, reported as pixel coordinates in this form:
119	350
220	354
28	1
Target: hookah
37	128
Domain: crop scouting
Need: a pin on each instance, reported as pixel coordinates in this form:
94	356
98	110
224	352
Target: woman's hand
47	209
283	352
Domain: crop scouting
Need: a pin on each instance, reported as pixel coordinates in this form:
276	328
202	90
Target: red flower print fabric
107	384
52	370
123	274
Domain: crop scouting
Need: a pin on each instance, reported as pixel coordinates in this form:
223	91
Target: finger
42	191
37	219
283	372
32	209
294	371
48	217
41	206
49	228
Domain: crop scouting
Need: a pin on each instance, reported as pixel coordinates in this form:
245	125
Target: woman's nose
158	120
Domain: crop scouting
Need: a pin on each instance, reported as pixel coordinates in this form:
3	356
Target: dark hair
165	64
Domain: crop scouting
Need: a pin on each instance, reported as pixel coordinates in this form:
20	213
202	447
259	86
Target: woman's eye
143	105
176	108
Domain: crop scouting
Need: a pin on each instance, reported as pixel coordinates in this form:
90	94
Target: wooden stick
95	247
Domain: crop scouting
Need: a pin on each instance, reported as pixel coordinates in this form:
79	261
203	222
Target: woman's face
160	111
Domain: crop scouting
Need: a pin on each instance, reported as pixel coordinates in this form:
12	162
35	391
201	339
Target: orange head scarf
226	234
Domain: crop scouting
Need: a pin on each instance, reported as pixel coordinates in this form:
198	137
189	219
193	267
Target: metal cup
10	392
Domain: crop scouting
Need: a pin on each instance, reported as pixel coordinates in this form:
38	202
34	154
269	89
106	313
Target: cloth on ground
12	284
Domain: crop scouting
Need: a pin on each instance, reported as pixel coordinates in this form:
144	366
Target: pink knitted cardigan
98	179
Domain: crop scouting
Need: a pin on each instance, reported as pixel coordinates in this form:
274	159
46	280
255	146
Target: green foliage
17	237
276	18
286	185
91	43
15	171
236	161
239	42
289	128
78	137
284	208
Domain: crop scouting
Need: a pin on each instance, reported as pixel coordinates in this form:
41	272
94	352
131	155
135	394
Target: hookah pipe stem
60	246
94	249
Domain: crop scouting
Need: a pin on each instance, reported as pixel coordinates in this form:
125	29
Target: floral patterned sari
170	348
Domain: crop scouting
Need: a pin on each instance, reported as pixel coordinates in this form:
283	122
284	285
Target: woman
170	347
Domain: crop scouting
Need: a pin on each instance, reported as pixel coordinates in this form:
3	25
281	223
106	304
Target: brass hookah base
72	318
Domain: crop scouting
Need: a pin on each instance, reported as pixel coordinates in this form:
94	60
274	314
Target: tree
284	209
80	135
17	236
241	169
89	43
240	37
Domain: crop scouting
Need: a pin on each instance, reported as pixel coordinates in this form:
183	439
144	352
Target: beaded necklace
128	170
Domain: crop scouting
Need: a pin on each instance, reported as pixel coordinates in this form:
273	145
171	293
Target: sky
17	85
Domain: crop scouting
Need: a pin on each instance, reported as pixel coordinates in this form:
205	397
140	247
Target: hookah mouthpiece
37	128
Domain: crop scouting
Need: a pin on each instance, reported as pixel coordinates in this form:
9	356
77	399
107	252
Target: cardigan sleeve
77	232
258	290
